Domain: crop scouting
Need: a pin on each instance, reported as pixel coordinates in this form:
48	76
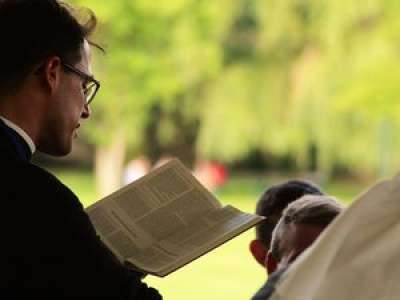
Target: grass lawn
228	272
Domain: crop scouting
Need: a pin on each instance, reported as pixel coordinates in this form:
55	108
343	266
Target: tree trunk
109	164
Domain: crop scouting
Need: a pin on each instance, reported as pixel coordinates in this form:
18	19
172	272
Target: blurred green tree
161	57
313	80
320	85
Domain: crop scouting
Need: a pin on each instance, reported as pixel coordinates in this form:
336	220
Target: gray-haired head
275	199
301	223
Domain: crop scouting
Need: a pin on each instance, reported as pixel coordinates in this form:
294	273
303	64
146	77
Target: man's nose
86	111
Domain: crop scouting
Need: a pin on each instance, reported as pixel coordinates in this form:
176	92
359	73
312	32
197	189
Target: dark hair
275	200
310	210
33	30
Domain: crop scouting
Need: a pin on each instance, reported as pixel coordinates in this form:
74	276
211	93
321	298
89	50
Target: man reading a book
49	249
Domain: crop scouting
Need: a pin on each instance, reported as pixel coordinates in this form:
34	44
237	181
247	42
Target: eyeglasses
90	85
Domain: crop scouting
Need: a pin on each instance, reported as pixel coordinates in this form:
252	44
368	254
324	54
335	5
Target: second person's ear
258	251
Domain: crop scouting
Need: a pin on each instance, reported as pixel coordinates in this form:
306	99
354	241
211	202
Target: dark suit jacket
266	291
49	248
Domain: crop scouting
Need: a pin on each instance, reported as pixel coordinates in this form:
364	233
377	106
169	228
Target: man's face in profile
67	107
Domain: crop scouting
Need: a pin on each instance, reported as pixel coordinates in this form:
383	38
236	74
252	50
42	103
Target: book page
195	239
165	220
137	217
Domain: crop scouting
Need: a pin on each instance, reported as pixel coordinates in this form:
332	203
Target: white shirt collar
21	132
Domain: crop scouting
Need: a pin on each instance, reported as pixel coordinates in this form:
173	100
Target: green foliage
278	76
157	52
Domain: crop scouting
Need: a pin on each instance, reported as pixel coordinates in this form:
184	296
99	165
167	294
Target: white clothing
356	257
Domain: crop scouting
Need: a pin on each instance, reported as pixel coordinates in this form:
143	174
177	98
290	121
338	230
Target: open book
165	220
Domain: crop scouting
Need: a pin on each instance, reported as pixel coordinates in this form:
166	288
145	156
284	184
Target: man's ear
258	250
52	68
270	263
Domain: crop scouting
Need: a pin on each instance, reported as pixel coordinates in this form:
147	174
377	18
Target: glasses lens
90	91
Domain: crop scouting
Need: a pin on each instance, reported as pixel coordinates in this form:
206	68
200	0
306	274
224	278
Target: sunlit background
247	93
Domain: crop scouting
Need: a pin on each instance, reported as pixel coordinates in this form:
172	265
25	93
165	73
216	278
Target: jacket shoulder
21	178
